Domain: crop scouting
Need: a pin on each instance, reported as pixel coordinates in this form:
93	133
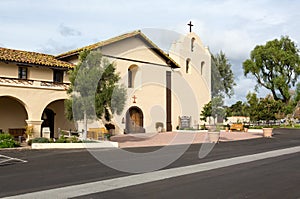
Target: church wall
34	99
42	74
12	114
33	72
197	79
59	120
8	70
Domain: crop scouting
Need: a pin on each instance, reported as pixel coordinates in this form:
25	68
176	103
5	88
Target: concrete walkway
166	138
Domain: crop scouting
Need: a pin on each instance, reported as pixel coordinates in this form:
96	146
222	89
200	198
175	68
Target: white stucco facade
149	100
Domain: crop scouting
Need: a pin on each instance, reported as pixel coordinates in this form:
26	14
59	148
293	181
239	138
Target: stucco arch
13	115
56	120
17	98
47	103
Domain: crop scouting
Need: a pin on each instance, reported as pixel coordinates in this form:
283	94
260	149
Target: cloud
53	47
68	31
244	85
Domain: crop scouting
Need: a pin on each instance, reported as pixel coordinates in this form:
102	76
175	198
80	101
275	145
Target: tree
213	109
206	112
265	109
222	84
222	76
237	109
252	107
94	90
276	66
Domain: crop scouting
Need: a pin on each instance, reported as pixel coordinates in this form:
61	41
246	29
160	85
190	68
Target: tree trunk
84	136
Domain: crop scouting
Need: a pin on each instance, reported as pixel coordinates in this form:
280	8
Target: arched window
130	83
192	44
202	66
187	65
132	70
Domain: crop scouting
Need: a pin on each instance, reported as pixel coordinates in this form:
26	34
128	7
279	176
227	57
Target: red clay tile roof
138	33
32	58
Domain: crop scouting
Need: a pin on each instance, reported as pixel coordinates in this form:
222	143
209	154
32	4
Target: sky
233	26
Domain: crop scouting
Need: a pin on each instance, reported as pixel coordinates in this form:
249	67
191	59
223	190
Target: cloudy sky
233	26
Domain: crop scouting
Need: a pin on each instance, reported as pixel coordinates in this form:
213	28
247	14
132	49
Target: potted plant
246	127
267	131
227	127
29	132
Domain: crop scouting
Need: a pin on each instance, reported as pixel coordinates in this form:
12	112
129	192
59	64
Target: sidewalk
167	138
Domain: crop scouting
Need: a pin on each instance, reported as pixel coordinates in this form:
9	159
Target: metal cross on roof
190	25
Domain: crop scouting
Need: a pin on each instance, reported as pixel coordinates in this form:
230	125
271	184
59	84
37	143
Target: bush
40	140
7	141
73	139
61	139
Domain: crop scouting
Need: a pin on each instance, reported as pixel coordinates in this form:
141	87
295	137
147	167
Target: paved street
276	177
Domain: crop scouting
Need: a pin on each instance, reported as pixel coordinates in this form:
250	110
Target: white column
36	127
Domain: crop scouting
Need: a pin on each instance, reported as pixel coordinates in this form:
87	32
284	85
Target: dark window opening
187	67
22	74
130	85
193	44
58	76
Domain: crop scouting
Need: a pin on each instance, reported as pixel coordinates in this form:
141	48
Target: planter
226	129
214	137
246	130
267	132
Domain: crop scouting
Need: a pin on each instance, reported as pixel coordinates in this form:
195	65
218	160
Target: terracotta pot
267	132
214	137
246	130
226	129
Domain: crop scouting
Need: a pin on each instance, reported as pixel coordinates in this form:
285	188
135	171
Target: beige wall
59	120
197	80
42	74
149	81
33	73
35	100
12	114
189	91
8	70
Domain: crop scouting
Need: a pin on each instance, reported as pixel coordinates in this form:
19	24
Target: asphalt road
270	178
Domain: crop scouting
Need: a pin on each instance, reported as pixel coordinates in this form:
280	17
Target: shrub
73	139
7	141
61	139
40	140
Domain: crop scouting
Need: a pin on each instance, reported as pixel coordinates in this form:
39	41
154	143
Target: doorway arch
134	120
48	121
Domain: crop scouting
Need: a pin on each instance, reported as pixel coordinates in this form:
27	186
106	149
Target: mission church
165	88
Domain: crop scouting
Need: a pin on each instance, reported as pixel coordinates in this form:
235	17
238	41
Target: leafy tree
222	76
206	112
222	84
252	107
276	66
213	109
94	89
237	109
264	108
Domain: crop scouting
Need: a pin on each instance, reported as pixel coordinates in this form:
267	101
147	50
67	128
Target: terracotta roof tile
32	58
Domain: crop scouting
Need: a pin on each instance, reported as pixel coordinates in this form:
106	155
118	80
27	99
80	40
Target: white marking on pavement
121	182
9	160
